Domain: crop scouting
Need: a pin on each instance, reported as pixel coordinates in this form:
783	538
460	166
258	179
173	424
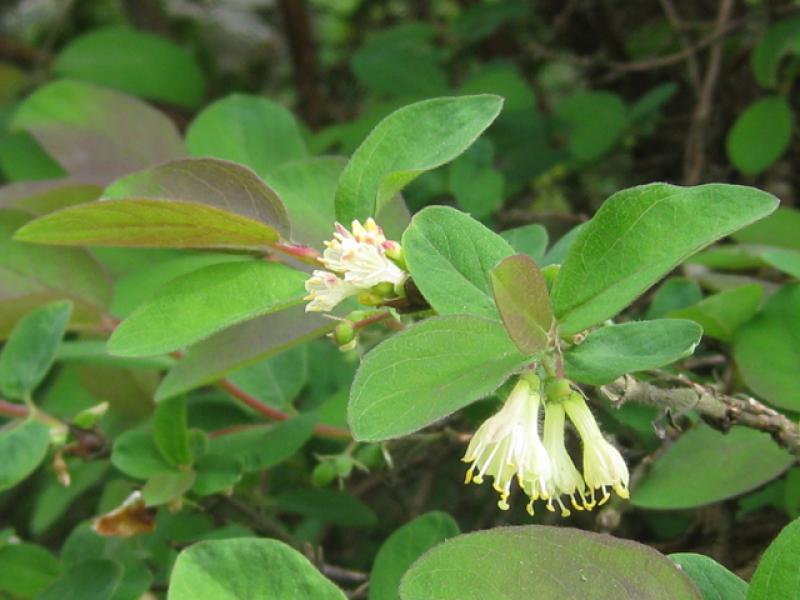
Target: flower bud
558	389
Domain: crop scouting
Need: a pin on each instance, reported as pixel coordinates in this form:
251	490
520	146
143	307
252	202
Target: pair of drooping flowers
507	447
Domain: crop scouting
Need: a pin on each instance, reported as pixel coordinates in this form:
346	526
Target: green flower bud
558	389
344	333
323	474
384	289
344	465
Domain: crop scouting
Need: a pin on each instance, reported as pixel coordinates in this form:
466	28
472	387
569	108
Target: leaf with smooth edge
241	345
522	298
41	197
787	261
136	454
165	487
537	561
414	139
135	62
782	38
777	575
54	500
65	114
405	546
595	121
95	579
170	431
249	130
449	255
308	188
247	569
529	239
766	349
26	569
31	348
614	350
194	306
722	314
714	581
760	135
262	448
674	293
428	371
689	475
22	449
216	473
31	276
638	236
331	506
779	230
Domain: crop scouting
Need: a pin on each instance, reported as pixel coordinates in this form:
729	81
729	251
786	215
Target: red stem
14	411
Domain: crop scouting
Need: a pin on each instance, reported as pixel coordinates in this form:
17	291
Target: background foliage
181	366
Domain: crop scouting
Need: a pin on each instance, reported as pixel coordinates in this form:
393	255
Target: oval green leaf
170	431
31	348
94	579
22	449
414	139
722	314
536	561
403	547
135	62
201	303
777	575
248	130
638	236
449	255
714	581
706	466
247	569
614	350
760	135
428	371
766	349
26	569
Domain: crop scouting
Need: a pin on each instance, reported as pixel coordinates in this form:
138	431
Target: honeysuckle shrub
235	366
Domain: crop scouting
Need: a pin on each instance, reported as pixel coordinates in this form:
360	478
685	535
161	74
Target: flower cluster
508	446
361	262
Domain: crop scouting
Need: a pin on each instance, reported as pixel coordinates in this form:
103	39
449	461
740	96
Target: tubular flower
603	465
507	446
355	261
565	480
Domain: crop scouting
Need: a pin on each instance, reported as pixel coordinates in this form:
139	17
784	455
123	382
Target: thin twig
691	59
721	411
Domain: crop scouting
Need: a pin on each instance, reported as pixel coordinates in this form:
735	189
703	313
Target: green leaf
330	506
777	575
26	569
722	314
64	114
674	294
520	292
780	39
428	371
714	581
477	186
706	466
191	203
170	432
449	255
766	349
135	62
216	473
594	121
240	345
410	141
276	381
31	349
614	350
778	229
638	236
787	261
196	305
22	449
54	499
249	130
760	135
136	454
247	569
536	561
23	159
528	239
263	447
132	289
403	547
90	580
165	487
41	197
